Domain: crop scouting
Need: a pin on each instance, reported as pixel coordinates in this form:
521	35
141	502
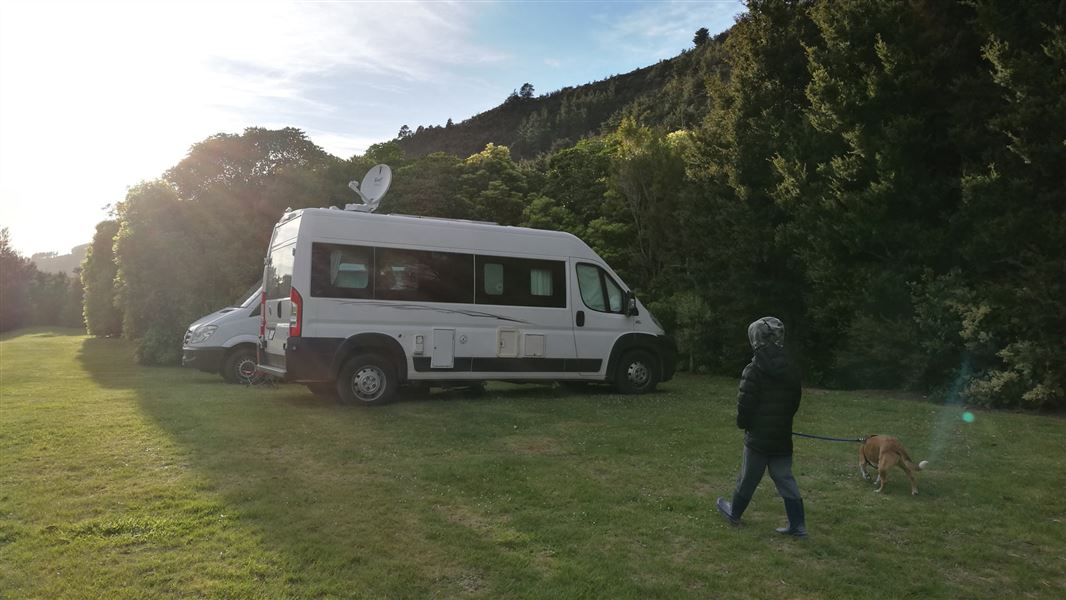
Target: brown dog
885	452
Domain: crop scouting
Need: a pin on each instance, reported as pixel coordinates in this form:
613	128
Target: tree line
884	177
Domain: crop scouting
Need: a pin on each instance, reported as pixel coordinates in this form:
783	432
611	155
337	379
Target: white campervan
224	341
356	304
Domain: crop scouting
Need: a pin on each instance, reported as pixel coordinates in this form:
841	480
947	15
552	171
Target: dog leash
831	439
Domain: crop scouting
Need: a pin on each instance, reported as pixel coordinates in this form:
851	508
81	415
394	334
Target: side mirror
631	305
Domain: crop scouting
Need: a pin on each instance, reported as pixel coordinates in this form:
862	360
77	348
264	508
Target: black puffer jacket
768	399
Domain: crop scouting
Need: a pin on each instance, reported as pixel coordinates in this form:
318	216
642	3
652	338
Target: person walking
767	401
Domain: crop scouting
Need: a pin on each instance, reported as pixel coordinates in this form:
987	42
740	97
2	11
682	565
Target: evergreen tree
98	273
701	37
17	273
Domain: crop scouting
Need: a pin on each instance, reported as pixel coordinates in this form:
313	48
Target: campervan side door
599	315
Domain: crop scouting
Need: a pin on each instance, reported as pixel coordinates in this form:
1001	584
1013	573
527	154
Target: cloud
554	63
120	91
663	29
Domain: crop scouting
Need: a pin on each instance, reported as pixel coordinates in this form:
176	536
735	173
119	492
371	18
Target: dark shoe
797	521
733	510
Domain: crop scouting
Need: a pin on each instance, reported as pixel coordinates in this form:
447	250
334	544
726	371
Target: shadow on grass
42	332
529	490
343	497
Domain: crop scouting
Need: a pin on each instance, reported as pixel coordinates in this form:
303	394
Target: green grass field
118	481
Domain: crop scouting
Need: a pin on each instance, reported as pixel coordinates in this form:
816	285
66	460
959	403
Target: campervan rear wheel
638	373
367	379
239	366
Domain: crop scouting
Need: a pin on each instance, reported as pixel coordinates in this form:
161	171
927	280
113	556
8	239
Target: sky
96	97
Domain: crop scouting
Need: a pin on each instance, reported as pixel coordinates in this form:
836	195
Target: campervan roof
443	233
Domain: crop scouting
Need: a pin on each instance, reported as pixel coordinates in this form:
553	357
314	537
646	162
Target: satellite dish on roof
372	190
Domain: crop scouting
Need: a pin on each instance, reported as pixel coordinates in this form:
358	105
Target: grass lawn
118	481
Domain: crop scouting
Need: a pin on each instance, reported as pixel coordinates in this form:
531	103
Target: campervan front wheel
367	379
638	373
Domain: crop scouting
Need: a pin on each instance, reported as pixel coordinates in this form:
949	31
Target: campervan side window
277	281
492	282
424	275
540	282
509	281
341	271
598	290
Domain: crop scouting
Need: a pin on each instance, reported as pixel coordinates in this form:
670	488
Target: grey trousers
756	463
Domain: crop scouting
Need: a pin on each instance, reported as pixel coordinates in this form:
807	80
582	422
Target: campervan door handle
580	318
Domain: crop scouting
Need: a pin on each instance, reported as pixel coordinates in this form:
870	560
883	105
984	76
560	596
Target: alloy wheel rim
246	369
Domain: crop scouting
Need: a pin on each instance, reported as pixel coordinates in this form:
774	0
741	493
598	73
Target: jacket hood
767	338
767	331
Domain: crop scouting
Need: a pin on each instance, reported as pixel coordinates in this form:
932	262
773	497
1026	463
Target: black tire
637	373
367	380
239	366
326	391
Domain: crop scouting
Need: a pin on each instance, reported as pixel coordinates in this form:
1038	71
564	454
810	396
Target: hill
670	94
52	262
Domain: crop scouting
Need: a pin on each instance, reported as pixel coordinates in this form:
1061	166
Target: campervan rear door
277	290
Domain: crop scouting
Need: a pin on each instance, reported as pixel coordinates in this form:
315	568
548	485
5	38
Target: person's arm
747	396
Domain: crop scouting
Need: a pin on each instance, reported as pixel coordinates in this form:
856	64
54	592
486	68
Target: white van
224	341
357	304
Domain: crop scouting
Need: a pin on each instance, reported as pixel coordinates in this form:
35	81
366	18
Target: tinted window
277	278
521	282
341	271
492	281
598	290
423	275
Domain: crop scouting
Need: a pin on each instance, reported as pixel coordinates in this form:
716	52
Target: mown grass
120	481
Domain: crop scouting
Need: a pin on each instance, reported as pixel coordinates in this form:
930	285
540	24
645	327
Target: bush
160	346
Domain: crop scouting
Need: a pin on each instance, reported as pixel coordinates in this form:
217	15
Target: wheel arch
637	341
372	343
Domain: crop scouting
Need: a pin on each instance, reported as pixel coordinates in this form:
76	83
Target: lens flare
968	417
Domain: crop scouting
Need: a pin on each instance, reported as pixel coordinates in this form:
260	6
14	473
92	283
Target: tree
1013	213
48	294
160	266
405	132
227	163
701	37
526	91
493	186
73	309
427	186
17	273
98	272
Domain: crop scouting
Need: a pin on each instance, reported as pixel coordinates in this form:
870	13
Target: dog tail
910	463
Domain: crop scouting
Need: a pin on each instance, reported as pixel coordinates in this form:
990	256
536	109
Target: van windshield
251	296
277	279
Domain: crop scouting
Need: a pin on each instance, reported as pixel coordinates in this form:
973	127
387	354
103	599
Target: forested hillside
671	94
886	177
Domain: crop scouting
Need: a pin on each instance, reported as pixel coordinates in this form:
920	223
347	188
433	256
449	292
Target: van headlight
202	333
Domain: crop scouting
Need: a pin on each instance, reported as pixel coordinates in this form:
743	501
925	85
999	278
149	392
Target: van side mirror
631	305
